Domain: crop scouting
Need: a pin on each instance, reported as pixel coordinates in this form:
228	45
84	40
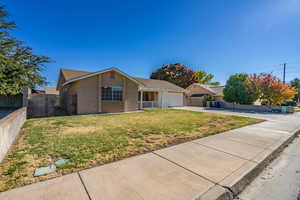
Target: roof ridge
150	79
75	70
89	74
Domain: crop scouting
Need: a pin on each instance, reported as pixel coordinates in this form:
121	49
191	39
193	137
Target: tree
175	73
296	84
272	91
205	78
19	67
240	89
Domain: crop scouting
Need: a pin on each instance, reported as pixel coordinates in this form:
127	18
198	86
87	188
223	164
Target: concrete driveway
265	116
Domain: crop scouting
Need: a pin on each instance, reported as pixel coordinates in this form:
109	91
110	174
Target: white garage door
174	99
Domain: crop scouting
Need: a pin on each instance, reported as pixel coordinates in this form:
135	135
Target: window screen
117	93
112	93
106	94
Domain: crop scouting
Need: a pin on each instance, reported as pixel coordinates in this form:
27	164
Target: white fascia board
101	72
159	90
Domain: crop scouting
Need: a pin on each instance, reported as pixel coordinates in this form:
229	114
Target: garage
174	99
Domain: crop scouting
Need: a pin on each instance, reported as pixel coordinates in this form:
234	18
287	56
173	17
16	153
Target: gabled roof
71	73
87	75
158	84
150	84
215	89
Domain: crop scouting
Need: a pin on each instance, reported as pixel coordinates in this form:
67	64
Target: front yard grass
93	140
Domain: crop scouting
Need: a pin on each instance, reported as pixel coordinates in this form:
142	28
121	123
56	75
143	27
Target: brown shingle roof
217	90
161	84
70	73
147	83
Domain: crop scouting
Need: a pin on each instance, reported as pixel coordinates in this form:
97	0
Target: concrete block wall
256	108
9	129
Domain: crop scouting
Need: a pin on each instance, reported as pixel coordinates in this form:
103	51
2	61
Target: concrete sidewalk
210	168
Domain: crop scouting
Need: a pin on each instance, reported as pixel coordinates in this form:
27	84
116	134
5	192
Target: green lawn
93	140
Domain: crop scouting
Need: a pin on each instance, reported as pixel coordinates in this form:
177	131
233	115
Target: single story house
111	90
197	94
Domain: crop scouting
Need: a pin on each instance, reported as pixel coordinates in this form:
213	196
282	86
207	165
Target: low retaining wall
255	108
9	129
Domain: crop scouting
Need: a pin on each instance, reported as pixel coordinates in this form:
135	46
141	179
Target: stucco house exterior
197	94
111	90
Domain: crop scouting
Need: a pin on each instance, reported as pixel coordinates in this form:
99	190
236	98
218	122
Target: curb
229	192
217	192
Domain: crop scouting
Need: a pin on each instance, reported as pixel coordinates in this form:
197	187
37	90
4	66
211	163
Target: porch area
148	99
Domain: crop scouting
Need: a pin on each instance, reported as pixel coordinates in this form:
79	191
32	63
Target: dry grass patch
98	139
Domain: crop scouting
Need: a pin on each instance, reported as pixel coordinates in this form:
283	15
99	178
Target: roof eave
159	89
101	72
59	77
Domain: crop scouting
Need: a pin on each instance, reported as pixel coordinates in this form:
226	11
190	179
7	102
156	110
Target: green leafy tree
175	73
205	78
296	84
240	89
19	66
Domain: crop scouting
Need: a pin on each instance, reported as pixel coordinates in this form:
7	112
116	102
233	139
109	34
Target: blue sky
222	37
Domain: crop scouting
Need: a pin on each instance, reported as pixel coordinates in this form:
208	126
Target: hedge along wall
10	127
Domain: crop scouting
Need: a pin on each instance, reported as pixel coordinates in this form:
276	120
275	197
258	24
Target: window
117	93
106	94
112	93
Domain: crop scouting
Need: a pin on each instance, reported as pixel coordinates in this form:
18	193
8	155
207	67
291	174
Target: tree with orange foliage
272	91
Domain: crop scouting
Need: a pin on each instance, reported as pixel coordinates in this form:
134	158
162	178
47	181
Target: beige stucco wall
131	96
218	98
71	89
87	96
88	93
110	79
112	106
196	101
130	93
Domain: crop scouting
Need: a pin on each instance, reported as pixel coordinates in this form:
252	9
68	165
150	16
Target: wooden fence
11	101
44	105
